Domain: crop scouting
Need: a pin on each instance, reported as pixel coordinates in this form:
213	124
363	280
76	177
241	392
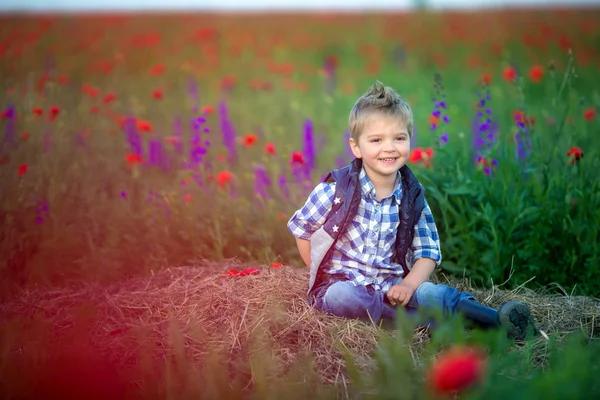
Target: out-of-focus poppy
455	370
574	154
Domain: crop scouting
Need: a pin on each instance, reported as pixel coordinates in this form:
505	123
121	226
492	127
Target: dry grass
187	312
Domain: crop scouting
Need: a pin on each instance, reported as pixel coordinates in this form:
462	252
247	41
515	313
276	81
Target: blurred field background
137	143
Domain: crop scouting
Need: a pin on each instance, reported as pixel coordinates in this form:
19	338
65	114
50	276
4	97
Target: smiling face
384	146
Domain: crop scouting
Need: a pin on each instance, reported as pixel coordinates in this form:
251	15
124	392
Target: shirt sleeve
308	219
426	242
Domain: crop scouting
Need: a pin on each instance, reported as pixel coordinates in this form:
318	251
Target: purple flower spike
308	150
283	186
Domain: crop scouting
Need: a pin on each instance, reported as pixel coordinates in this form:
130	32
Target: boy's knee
340	294
429	293
426	288
346	300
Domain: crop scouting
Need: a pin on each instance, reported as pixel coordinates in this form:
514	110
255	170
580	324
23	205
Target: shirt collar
368	189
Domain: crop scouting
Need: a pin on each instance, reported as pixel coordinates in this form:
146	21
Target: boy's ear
355	149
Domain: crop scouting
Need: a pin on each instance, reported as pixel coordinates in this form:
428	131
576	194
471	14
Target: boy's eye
378	140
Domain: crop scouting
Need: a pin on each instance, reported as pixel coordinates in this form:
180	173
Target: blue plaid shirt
364	253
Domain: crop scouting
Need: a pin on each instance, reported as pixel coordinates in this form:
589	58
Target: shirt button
376	229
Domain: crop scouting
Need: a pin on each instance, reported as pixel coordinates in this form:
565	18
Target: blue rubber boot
513	315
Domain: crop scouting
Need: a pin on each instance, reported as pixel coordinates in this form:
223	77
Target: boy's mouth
388	160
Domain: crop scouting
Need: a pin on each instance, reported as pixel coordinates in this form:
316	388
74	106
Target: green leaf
459	190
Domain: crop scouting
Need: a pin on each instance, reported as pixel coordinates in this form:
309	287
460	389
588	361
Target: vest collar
367	187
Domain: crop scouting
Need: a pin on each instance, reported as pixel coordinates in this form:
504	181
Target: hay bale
192	311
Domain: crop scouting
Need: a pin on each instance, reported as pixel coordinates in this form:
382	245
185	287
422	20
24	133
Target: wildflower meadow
149	164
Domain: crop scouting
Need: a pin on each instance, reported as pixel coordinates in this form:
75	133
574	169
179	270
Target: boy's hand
400	294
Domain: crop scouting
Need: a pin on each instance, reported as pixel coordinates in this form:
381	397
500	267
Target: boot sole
518	319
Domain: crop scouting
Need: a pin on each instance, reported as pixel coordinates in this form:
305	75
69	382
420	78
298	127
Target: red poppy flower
158	69
94	109
433	120
276	264
421	155
270	148
109	98
223	178
536	73
373	67
250	139
173	139
89	90
38	111
42	82
22	170
482	161
332	60
231	272
63	80
249	271
575	154
25	136
143	126
455	370
564	42
297	158
415	155
589	113
54	111
132	158
520	118
267	86
255	83
486	78
228	82
427	155
509	74
207	110
246	272
157	94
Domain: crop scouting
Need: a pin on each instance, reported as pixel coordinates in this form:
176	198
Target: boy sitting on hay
368	235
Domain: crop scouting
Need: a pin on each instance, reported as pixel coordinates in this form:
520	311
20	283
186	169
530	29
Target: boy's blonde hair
379	99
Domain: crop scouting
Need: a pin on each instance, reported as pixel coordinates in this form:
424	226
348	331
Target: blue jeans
340	297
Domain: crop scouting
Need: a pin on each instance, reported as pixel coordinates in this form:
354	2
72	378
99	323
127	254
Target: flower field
133	144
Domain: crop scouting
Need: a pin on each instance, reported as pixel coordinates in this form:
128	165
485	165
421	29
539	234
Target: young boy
368	235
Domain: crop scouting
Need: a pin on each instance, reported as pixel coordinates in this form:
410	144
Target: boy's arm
304	222
304	249
427	254
420	272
